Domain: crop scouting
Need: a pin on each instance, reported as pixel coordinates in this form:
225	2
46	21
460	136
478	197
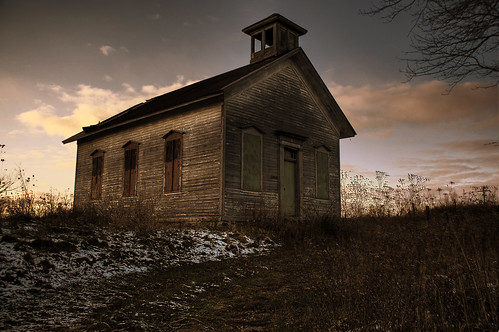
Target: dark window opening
290	154
173	162
257	43
269	38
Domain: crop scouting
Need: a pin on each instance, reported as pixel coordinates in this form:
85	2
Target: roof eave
275	18
282	57
348	133
73	138
345	129
83	134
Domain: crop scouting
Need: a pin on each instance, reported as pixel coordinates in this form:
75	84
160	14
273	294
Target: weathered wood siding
200	195
281	101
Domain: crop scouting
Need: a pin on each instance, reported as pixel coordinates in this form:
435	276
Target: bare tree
452	39
6	180
12	182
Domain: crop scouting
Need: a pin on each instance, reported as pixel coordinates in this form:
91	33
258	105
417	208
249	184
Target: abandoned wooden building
260	139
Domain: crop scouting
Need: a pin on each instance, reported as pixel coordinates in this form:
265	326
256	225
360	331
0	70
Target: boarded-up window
173	161
322	162
97	170
293	40
131	166
283	37
252	161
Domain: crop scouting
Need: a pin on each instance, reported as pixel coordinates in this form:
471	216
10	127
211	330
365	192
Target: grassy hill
352	274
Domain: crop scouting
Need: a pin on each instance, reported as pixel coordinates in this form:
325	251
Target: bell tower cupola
272	36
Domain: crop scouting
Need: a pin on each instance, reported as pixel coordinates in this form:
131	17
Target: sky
67	64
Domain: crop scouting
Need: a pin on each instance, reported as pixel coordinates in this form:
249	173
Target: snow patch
33	260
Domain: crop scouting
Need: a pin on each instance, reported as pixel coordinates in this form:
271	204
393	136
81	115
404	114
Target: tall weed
402	273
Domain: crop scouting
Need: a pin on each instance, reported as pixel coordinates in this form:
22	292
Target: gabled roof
312	79
213	87
188	94
325	97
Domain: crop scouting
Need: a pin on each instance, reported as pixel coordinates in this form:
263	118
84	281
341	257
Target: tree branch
451	40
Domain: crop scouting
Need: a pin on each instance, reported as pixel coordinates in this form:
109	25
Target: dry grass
361	274
358	274
386	274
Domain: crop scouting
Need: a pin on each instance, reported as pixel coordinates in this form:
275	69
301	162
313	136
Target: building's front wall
280	107
280	102
200	194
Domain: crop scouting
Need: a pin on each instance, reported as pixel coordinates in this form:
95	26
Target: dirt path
60	278
254	293
214	295
208	296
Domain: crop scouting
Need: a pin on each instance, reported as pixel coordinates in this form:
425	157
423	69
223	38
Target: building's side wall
280	102
199	198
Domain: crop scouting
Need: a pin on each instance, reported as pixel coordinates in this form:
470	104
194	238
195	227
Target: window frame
264	39
257	43
96	174
268	33
176	163
130	174
253	131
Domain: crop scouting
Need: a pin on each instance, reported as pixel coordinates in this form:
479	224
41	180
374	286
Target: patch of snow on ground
33	261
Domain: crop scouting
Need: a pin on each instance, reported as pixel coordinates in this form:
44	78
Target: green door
289	201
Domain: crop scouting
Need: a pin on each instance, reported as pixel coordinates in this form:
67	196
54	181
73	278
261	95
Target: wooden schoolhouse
262	139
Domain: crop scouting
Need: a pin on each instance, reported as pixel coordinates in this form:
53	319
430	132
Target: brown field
359	274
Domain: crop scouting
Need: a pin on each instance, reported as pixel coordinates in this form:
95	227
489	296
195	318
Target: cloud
52	165
465	162
128	88
42	119
107	50
152	90
350	167
415	128
53	156
378	110
472	147
89	106
107	78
